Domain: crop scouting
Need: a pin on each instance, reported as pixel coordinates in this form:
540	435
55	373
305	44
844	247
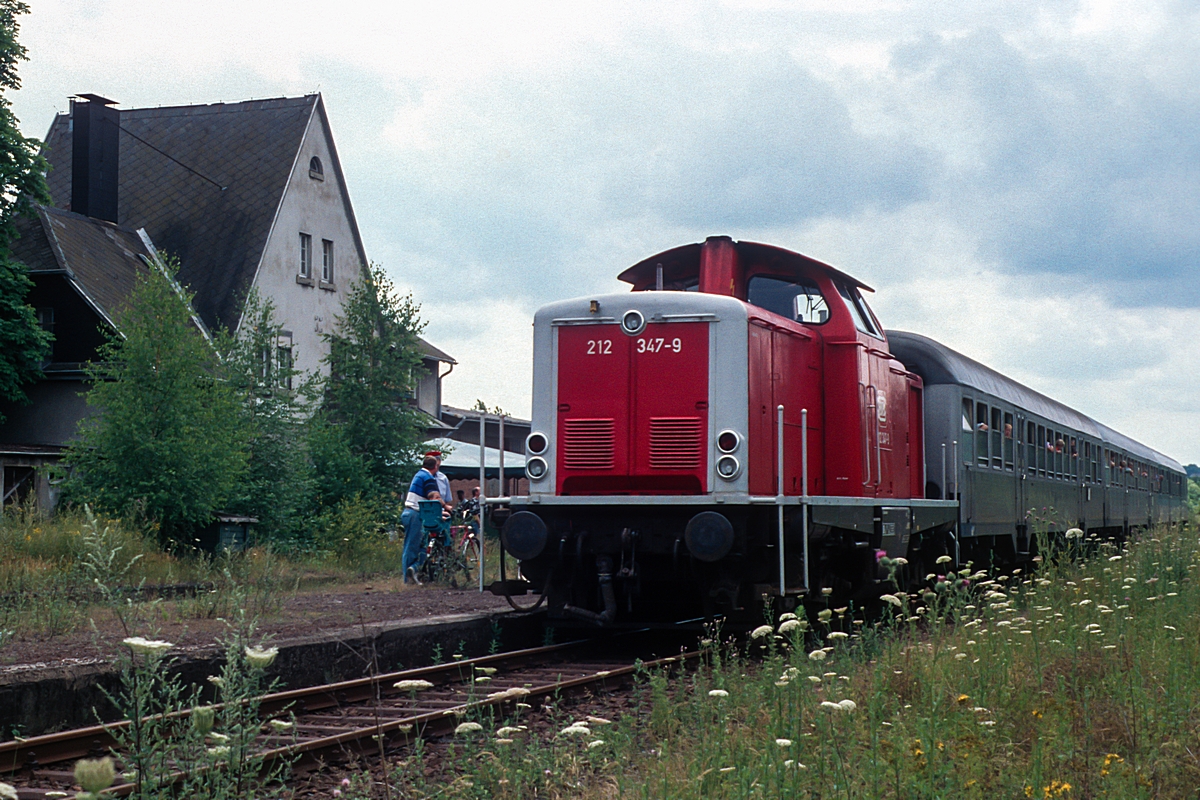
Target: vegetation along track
334	720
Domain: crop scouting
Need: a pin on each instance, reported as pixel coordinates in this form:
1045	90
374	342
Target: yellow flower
962	698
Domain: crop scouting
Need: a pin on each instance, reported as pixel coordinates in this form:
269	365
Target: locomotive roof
938	364
683	262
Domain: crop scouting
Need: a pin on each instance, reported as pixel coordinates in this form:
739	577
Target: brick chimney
94	152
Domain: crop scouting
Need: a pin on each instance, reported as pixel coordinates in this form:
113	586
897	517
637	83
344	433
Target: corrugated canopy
463	459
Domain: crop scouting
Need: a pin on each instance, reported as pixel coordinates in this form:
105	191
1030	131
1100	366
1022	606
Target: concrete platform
42	698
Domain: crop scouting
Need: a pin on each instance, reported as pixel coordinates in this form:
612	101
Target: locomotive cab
735	426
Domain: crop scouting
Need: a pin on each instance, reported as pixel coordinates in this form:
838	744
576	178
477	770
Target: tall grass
1080	680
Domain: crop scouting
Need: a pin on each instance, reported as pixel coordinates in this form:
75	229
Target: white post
779	500
482	489
804	491
503	477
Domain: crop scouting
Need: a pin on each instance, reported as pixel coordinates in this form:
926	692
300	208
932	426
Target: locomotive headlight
728	441
536	468
728	467
536	443
633	323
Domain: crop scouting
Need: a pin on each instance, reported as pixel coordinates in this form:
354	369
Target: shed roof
938	364
100	259
205	182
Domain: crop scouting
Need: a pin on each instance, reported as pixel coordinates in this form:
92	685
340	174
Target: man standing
423	487
443	483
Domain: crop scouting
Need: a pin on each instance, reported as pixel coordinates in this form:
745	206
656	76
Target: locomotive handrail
779	500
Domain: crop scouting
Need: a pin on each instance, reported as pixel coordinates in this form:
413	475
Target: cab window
798	300
858	310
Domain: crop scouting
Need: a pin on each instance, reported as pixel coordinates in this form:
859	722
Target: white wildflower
849	706
761	631
412	685
599	721
793	624
784	742
261	657
838	635
892	599
592	745
147	647
943	560
718	693
467	728
8	791
486	670
575	729
219	750
95	775
817	655
281	726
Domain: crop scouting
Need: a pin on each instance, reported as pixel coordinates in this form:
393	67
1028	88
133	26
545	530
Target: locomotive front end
639	431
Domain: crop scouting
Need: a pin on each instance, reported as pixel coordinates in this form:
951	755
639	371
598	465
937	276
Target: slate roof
431	352
101	260
205	182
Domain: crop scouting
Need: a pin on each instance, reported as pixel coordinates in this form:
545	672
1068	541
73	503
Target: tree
166	442
367	435
274	399
23	343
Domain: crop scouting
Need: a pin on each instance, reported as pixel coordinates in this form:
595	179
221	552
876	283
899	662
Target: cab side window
858	309
798	300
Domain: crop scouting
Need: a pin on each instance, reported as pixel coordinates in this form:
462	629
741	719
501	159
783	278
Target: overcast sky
1020	181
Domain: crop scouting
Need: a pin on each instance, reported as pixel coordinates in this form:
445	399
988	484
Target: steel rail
394	730
38	751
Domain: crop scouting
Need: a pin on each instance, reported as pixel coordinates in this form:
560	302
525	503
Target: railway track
337	720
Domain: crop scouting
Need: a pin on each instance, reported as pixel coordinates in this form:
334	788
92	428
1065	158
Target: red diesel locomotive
734	427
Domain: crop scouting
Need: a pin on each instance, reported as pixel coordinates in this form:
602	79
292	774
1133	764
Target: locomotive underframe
607	559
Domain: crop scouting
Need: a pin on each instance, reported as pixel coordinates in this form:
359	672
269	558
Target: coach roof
938	364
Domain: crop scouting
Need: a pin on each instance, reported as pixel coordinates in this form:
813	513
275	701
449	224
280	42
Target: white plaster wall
316	208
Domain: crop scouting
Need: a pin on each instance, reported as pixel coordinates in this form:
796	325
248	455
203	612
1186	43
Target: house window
283	366
305	256
326	261
315	171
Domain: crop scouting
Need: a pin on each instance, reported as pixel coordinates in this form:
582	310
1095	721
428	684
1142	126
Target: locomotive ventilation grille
588	443
675	443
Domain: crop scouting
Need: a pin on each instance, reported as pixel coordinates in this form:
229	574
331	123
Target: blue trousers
414	540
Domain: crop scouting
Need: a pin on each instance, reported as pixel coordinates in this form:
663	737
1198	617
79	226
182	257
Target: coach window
997	433
1031	448
799	300
1041	445
1008	441
968	411
981	434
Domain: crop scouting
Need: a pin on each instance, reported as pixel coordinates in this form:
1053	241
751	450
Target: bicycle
445	560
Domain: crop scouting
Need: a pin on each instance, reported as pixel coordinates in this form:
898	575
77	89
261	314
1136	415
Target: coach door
1021	483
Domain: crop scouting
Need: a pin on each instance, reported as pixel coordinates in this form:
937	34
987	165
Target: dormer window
315	170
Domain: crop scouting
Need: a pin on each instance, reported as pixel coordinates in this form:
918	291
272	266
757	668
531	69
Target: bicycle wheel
472	555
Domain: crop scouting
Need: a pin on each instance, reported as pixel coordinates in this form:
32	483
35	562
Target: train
740	428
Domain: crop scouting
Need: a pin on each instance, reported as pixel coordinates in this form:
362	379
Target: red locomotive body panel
646	431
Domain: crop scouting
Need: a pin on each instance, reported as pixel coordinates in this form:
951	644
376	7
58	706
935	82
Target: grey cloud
666	137
1081	170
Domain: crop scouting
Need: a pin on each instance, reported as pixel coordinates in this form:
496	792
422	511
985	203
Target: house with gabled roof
248	196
